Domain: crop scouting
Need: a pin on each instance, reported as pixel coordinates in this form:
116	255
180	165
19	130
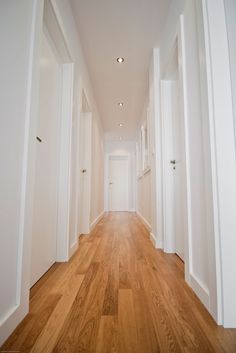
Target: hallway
118	294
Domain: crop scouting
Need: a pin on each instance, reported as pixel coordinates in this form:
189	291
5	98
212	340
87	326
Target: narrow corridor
118	294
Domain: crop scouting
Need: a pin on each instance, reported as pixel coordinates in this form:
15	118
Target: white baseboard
95	222
12	319
144	221
73	248
153	239
149	228
200	289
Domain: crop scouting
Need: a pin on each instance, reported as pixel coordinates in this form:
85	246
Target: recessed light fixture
120	60
120	104
120	124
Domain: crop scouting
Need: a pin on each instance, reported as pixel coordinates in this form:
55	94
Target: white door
47	164
85	172
118	183
178	170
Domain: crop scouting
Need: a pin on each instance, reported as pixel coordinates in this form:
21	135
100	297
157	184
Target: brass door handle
173	161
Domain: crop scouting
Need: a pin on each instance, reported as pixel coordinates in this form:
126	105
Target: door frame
108	156
168	191
21	307
56	33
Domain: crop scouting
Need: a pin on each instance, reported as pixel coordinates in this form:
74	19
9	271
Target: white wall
230	11
82	83
97	181
20	31
119	148
222	142
17	48
200	263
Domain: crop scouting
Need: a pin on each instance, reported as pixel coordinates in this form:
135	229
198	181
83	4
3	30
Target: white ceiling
109	29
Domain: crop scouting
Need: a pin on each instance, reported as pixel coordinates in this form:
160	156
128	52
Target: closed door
44	237
118	183
178	171
85	172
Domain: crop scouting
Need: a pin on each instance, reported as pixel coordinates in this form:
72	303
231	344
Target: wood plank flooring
118	294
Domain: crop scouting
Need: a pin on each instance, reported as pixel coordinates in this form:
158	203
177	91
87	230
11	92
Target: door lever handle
173	161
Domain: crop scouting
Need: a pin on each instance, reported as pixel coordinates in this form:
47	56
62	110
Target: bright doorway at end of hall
118	189
44	239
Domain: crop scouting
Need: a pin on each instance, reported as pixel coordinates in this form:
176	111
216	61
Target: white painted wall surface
121	148
222	139
20	29
144	180
230	11
202	263
17	23
144	197
97	172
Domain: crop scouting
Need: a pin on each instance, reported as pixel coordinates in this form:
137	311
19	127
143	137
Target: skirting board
153	239
201	291
73	248
144	221
95	222
149	228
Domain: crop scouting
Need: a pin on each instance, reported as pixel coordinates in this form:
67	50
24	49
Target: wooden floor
118	294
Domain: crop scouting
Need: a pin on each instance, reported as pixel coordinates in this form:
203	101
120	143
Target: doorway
118	170
174	157
85	155
44	240
52	156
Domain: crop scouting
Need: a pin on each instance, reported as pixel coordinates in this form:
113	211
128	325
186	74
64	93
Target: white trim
65	161
200	289
153	239
183	75
74	247
148	227
96	221
144	221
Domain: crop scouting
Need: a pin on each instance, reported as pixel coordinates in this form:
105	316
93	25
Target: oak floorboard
118	294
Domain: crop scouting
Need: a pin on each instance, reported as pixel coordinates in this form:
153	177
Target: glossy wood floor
118	294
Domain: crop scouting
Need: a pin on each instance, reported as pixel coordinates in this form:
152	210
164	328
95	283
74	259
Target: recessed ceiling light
120	60
120	124
120	104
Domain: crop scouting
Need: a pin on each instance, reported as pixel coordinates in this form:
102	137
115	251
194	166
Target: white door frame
56	31
222	143
168	206
108	156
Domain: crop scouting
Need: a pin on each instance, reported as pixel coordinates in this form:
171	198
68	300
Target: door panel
118	184
85	172
178	170
47	165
